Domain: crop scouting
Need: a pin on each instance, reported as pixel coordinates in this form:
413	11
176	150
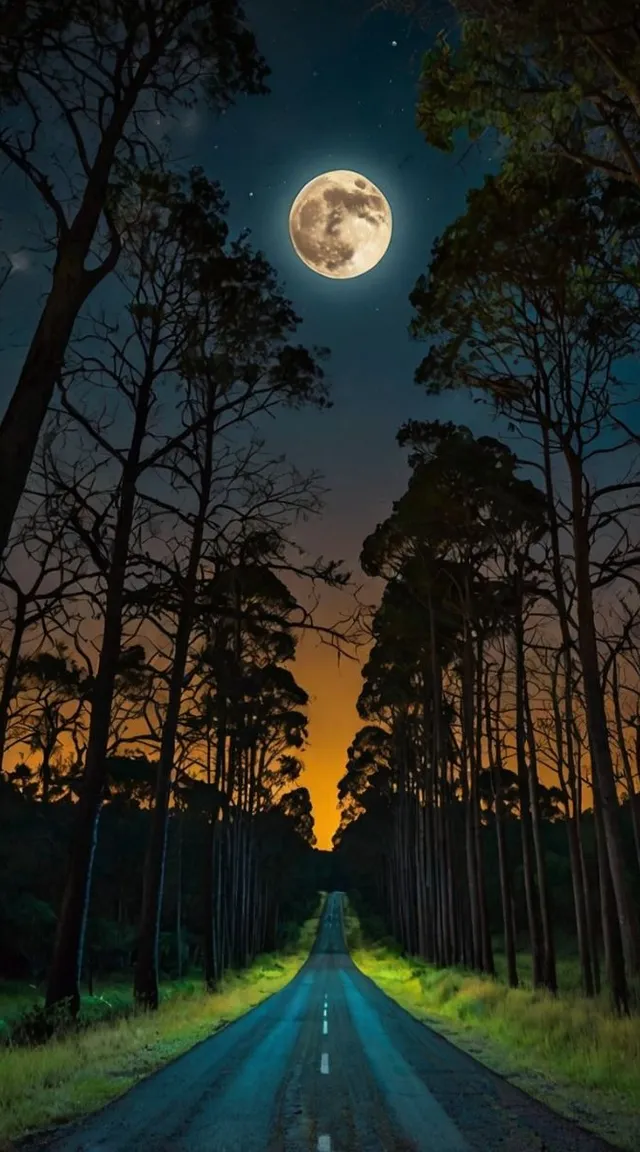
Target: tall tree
464	501
525	305
69	128
211	319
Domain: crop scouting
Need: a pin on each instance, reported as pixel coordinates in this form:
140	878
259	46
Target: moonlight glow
340	225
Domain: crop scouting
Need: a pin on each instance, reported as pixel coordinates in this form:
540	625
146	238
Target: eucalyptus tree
368	766
250	716
284	837
259	498
463	502
85	85
526	305
207	317
390	696
251	722
274	723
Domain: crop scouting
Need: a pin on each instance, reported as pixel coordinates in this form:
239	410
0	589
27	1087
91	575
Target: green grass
73	1075
572	1053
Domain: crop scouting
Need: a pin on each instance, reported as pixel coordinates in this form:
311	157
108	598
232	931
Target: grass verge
69	1077
571	1053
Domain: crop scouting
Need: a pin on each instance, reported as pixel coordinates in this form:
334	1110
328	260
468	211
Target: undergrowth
570	1051
47	1084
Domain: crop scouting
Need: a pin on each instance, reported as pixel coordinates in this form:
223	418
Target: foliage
76	1074
550	79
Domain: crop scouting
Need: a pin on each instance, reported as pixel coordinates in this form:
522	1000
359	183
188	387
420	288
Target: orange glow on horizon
333	689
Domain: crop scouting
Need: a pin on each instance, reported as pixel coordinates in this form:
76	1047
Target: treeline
503	675
280	885
152	594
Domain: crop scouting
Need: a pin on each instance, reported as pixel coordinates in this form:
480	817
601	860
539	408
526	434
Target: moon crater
340	224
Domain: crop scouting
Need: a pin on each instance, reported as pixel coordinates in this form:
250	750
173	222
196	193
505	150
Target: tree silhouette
74	132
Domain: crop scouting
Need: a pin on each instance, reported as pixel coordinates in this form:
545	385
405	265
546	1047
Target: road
329	1064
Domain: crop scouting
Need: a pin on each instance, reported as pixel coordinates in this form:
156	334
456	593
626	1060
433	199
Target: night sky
343	94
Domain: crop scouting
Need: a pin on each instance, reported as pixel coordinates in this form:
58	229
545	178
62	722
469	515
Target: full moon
340	224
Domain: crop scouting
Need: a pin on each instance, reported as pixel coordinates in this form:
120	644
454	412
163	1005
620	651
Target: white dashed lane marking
325	1027
324	1144
324	1063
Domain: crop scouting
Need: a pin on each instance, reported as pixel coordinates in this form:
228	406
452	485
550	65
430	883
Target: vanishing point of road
329	1064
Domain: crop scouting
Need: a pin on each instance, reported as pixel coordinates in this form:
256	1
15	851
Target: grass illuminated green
569	1052
68	1077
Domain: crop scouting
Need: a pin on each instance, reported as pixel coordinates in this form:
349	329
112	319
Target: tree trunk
45	773
614	958
71	285
495	762
468	798
485	931
634	797
549	977
565	757
24	417
597	725
66	963
531	896
10	670
179	893
211	974
146	969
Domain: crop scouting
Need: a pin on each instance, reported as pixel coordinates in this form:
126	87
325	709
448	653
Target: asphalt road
329	1064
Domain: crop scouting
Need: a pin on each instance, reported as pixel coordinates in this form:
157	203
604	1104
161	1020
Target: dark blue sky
343	95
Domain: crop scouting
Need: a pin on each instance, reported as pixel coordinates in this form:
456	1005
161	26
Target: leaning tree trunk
71	285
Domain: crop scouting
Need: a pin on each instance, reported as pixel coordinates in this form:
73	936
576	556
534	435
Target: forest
495	785
153	591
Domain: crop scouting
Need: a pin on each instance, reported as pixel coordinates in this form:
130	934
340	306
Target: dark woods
153	594
264	882
501	694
